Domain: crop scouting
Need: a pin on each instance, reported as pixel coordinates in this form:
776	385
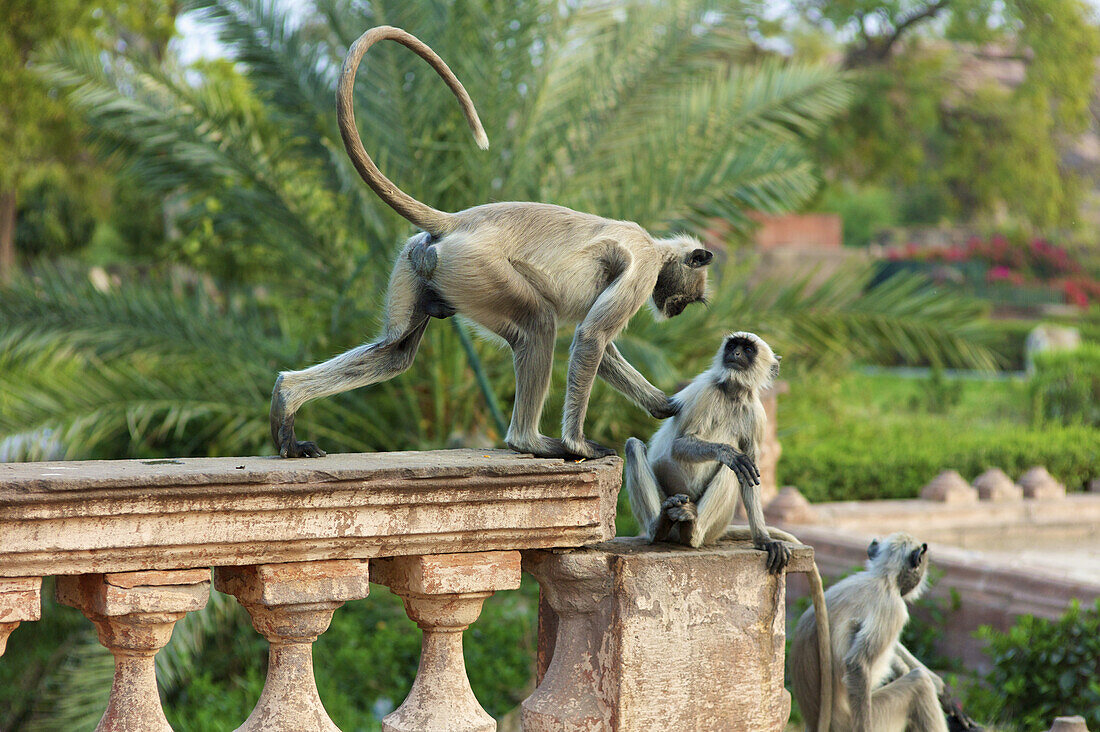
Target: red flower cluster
1036	262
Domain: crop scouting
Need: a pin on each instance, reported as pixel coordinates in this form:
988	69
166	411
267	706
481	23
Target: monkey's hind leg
908	703
647	500
367	364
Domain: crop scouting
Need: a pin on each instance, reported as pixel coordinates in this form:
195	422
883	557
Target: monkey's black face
913	572
680	284
739	354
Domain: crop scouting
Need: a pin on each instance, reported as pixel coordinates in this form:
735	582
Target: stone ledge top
43	481
133	515
802	557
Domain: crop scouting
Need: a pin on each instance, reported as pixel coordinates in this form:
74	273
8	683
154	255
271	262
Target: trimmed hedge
1066	386
892	461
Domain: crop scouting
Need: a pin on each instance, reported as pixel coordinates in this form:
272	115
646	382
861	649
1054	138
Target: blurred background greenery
177	227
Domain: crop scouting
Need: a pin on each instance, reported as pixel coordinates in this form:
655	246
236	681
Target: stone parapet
132	544
128	515
650	637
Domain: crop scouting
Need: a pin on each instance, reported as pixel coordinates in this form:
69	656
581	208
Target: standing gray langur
684	487
517	269
878	685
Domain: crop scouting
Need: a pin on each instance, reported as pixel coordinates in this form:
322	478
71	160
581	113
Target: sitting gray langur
684	487
517	269
878	685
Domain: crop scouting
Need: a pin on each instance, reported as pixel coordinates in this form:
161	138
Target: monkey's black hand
679	508
957	719
670	408
741	464
779	555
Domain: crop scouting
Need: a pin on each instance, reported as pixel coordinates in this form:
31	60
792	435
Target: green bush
1043	669
1066	386
895	461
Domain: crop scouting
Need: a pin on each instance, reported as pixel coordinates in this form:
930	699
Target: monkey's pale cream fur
878	685
517	270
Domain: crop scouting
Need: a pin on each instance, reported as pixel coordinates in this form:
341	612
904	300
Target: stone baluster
134	613
20	599
443	595
291	605
575	586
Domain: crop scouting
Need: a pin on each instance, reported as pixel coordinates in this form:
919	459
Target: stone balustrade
633	637
132	544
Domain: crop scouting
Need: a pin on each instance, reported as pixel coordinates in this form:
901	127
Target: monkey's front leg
625	379
584	361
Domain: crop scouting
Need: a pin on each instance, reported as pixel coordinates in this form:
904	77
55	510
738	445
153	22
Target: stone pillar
771	449
662	637
134	613
291	605
443	594
20	599
576	586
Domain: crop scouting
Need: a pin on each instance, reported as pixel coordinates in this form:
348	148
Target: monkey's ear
872	550
916	555
698	258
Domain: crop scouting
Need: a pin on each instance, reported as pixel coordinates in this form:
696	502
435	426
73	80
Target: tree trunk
7	235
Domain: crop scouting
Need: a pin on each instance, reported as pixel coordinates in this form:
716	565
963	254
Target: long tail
821	619
427	218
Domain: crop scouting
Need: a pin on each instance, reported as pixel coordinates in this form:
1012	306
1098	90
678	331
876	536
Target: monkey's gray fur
680	488
878	685
517	269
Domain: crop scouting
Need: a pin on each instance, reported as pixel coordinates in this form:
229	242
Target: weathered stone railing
132	544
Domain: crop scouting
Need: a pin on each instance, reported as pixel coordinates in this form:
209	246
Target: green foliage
939	394
1042	669
945	146
1065	387
865	212
849	440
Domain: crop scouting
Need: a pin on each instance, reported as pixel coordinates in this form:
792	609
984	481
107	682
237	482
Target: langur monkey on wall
684	486
877	684
517	269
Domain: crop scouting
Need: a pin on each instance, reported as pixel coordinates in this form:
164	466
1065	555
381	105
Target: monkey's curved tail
824	639
427	218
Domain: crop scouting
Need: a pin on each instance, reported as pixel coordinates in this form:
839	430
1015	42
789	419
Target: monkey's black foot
679	508
282	428
295	449
549	447
779	555
588	449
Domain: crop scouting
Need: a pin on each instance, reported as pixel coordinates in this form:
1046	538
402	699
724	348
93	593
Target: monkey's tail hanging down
427	218
821	621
